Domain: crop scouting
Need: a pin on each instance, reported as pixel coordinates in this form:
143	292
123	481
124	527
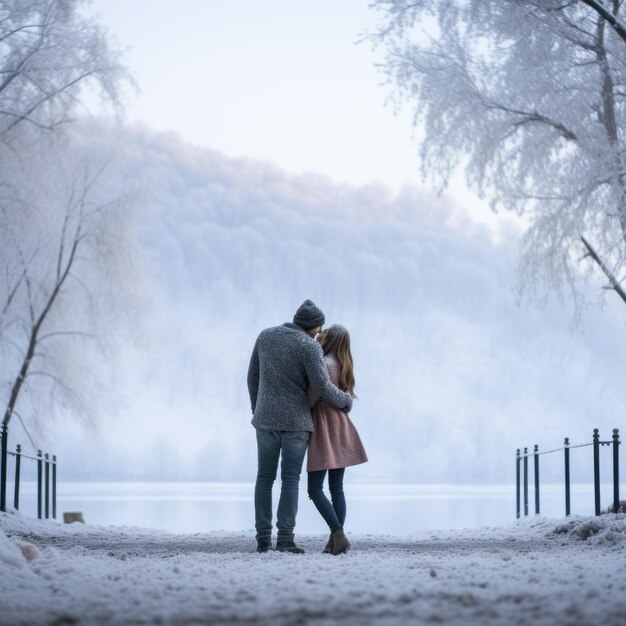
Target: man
285	360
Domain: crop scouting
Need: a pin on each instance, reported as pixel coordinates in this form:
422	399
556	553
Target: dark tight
334	514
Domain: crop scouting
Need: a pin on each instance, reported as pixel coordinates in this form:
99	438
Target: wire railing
521	472
46	480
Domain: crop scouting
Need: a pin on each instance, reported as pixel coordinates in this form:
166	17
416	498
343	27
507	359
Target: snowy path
522	574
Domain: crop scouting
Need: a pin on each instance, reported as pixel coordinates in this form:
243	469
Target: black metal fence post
3	467
47	465
536	451
54	486
39	479
567	447
615	470
567	484
18	461
596	469
525	481
517	476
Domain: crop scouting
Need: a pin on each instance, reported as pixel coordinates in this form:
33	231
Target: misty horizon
449	368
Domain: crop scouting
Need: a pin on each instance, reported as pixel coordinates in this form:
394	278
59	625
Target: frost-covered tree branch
48	53
610	17
528	96
613	282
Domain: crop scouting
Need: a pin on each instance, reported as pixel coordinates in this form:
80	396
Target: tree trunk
36	327
614	284
609	122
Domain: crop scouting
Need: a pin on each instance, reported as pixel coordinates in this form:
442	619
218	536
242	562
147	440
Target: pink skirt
334	441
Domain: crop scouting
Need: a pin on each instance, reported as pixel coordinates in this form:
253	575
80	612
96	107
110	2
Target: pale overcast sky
281	81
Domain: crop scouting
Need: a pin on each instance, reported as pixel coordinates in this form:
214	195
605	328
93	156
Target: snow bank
10	554
536	570
606	529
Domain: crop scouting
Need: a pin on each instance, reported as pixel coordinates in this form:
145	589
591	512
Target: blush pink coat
334	441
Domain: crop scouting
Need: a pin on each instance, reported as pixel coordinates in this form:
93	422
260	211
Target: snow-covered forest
446	361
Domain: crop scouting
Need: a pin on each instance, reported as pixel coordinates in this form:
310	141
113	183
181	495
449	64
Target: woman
335	443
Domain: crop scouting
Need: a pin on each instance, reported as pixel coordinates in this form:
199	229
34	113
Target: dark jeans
270	443
334	514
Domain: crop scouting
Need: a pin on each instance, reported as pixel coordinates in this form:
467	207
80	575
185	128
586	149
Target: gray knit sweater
285	360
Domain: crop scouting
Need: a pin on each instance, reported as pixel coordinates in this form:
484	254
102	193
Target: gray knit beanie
309	316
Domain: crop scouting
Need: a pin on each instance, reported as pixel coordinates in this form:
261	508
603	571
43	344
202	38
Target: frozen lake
372	509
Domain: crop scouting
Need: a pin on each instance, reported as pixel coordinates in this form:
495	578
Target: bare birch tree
68	277
63	232
529	98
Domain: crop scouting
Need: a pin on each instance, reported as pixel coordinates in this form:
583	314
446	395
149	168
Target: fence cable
580	445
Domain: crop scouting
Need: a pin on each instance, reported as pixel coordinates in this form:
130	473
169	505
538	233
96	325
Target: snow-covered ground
536	571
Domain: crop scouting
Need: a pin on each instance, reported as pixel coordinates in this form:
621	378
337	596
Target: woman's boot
340	543
329	546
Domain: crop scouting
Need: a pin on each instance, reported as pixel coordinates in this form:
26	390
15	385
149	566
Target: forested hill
449	369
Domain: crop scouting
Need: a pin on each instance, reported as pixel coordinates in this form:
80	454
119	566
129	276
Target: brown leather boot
329	546
340	543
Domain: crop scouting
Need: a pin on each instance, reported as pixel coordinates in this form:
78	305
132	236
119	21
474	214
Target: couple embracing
301	385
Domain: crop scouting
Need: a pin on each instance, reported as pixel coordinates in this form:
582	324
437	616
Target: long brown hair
335	340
